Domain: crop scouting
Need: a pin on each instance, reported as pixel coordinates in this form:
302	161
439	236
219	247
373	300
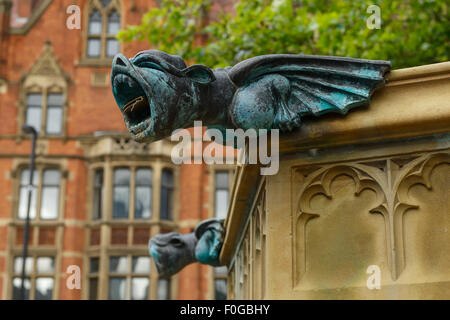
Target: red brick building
98	197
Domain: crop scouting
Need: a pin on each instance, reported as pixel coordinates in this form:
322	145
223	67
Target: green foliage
413	32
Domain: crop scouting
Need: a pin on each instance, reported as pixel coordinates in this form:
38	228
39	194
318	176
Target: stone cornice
419	74
99	145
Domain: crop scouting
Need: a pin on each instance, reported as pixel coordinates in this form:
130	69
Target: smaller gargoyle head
173	251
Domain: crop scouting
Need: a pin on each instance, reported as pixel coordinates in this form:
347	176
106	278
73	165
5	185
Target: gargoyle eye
149	65
176	242
144	62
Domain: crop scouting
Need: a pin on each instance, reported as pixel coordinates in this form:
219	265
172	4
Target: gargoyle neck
191	241
216	99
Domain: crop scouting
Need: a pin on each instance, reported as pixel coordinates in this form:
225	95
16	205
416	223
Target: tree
411	33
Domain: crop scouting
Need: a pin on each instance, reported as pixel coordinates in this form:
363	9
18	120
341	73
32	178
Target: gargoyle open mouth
136	106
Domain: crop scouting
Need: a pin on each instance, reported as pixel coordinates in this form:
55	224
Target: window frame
98	190
105	248
93	275
130	184
108	191
171	211
103	58
45	91
219	277
40	169
34	275
129	274
230	185
169	288
49	107
132	193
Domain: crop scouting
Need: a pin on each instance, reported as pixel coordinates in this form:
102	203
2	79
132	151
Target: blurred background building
98	196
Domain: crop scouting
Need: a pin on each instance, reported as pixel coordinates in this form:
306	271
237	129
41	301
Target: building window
221	198
94	266
122	200
104	23
166	212
50	194
143	194
23	194
95	32
129	277
46	192
98	195
121	191
54	113
163	289
39	281
51	105
132	188
220	283
112	44
221	193
34	111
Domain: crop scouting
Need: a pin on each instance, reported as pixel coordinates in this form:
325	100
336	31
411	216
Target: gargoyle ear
200	74
210	223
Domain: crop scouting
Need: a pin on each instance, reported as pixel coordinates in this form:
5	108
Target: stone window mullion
39	195
105	230
157	193
92	277
129	276
103	34
65	112
132	193
43	130
33	278
109	189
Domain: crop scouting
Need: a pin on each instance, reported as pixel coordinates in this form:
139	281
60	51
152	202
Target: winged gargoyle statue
158	94
173	251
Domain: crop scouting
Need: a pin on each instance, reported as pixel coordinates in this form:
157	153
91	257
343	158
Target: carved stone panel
392	213
336	236
427	225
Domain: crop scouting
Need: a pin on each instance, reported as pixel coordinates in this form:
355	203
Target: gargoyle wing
317	84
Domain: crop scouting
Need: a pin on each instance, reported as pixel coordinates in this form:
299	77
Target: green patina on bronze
157	93
173	251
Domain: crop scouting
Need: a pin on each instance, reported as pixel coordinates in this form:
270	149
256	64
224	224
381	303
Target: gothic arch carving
390	179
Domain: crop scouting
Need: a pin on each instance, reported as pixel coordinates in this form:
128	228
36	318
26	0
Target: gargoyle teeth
135	103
